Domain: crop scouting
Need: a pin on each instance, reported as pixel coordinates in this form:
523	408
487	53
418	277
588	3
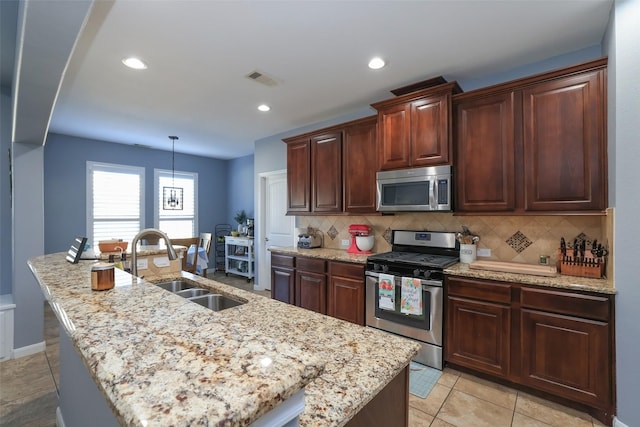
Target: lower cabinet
552	340
346	292
282	278
328	287
311	284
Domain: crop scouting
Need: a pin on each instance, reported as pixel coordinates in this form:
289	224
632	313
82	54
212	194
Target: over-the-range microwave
417	189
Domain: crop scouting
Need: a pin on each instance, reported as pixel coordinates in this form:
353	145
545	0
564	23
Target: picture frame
240	251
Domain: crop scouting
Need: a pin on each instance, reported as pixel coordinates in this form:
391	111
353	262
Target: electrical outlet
484	252
345	243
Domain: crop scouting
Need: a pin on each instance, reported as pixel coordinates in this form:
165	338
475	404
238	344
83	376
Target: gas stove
421	254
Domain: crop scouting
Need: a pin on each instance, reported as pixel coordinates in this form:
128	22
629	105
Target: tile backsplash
510	238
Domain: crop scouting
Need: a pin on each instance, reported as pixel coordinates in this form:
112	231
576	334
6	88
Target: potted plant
240	218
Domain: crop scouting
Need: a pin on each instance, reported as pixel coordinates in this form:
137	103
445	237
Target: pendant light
172	197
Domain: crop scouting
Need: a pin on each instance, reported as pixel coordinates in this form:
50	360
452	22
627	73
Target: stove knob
385	268
427	274
416	273
376	267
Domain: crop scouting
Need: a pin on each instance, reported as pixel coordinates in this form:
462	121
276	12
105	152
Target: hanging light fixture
172	197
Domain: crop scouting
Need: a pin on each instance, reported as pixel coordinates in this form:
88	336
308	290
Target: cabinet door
299	176
484	147
567	356
346	299
565	144
429	123
311	291
326	177
282	285
394	137
360	164
478	335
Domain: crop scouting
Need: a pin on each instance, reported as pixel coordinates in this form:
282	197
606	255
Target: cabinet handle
322	141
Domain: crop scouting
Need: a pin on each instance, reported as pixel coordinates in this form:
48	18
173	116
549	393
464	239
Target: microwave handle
433	194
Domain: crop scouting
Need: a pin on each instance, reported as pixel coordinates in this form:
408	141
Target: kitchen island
159	359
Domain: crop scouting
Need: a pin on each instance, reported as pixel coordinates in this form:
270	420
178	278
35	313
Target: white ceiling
199	52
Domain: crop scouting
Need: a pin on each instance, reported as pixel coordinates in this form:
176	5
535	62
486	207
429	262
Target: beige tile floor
29	393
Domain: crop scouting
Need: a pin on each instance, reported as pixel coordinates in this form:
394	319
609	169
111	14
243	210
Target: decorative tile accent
518	242
332	232
387	235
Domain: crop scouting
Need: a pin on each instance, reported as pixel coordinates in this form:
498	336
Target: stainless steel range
404	292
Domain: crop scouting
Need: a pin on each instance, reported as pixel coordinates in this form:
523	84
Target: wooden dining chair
205	242
188	241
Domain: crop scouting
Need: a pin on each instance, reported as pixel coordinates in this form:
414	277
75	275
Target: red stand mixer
360	230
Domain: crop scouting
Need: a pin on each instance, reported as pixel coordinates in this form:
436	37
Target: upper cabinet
332	170
534	145
415	129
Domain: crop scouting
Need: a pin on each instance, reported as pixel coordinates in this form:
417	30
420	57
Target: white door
277	229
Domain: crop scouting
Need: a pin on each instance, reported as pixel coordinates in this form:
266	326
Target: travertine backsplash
510	238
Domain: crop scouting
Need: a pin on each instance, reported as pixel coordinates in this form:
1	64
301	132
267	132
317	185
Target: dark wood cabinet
282	278
311	284
326	172
555	341
564	144
329	287
346	292
332	170
565	344
485	147
299	176
534	145
359	166
415	129
479	325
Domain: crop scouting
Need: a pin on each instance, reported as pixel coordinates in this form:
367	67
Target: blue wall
241	185
65	160
6	276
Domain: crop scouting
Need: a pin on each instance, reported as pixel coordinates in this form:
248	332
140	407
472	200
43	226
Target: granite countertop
160	359
324	253
563	281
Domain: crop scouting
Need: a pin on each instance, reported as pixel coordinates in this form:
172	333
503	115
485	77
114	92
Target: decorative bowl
112	245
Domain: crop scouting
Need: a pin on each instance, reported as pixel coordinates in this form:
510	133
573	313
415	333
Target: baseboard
29	350
618	423
59	419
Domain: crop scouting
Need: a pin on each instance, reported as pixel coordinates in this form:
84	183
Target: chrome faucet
171	253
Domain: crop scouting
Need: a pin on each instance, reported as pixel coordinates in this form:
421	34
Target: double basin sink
204	297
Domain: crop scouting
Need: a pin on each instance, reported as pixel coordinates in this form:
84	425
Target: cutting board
514	267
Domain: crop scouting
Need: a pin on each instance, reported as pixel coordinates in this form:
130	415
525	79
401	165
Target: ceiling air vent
262	78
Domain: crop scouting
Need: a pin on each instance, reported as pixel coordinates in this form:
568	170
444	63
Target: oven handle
426	283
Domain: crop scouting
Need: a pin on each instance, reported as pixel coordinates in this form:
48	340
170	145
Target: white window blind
115	204
177	223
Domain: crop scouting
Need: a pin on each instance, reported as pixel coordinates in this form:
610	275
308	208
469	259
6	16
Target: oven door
426	327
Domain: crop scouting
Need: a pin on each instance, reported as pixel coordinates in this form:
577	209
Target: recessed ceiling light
264	107
135	63
376	63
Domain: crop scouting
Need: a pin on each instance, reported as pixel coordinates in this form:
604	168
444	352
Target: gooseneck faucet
171	253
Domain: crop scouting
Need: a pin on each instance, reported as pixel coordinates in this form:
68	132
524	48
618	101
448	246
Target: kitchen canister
467	253
102	277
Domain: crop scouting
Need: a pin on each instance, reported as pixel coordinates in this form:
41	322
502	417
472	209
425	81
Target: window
177	223
115	205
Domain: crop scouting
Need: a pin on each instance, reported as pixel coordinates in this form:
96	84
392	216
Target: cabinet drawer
479	289
343	269
313	265
278	260
570	303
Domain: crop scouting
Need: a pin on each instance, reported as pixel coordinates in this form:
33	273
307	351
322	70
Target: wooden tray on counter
514	267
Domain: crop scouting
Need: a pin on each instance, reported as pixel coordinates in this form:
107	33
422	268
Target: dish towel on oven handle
387	291
411	296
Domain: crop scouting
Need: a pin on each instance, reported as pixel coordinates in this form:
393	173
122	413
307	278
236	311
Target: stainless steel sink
193	292
216	302
175	285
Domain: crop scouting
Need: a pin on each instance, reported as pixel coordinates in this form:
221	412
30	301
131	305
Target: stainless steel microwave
418	189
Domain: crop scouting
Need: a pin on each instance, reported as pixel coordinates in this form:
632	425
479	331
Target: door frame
263	276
